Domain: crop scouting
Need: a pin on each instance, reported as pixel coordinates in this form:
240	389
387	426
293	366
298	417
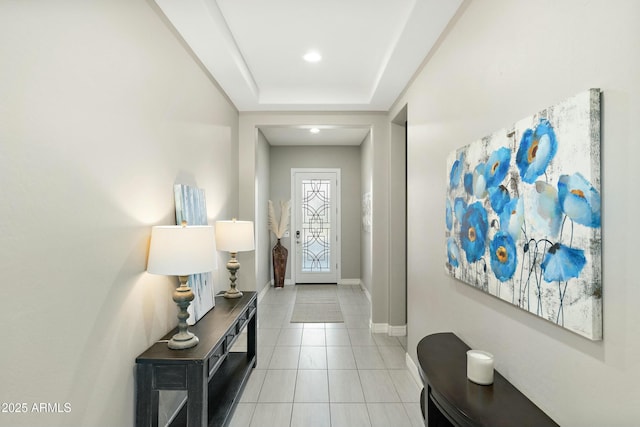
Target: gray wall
503	60
397	227
103	110
347	159
263	238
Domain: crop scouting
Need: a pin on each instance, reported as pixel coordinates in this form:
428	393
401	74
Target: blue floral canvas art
523	214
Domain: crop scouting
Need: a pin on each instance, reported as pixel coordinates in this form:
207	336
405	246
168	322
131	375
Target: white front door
315	225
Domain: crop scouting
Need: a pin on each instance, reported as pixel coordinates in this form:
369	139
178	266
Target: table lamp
182	250
234	236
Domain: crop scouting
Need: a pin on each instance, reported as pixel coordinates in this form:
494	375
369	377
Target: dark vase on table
280	254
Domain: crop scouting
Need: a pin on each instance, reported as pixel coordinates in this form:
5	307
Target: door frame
338	214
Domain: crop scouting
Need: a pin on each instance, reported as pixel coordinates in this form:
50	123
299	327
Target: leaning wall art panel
191	206
523	214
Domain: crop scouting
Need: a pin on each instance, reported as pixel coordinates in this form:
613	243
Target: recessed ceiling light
312	56
314	130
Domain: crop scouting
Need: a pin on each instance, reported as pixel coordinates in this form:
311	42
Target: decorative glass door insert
316	225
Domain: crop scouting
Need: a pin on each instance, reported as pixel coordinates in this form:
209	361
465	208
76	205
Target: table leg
147	399
197	396
251	338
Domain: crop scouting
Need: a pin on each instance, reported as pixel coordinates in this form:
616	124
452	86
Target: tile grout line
354	311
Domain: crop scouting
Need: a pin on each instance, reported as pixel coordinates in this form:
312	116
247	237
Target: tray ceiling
253	48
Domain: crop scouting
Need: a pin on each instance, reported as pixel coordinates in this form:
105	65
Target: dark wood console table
212	375
452	400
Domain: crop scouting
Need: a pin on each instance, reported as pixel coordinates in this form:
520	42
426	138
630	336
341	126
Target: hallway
326	375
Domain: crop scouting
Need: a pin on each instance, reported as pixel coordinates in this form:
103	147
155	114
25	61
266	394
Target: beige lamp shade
234	236
182	250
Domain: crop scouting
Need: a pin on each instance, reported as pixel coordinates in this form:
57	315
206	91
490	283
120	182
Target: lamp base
232	293
233	266
180	343
183	296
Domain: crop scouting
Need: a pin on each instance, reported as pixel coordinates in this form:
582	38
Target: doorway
315	225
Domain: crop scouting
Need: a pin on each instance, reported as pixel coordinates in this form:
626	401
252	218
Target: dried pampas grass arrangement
279	227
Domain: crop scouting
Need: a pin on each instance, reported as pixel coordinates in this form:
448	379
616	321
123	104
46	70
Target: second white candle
480	367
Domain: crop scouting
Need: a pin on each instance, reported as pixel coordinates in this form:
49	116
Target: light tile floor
326	375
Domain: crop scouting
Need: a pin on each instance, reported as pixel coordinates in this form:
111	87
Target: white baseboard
379	328
264	290
385	328
397	331
366	292
351	282
413	370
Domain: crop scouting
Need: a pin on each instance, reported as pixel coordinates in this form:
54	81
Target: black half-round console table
450	399
212	375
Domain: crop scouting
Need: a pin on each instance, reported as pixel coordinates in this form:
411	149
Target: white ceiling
254	48
327	135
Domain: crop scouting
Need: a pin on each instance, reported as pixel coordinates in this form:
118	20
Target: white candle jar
480	367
